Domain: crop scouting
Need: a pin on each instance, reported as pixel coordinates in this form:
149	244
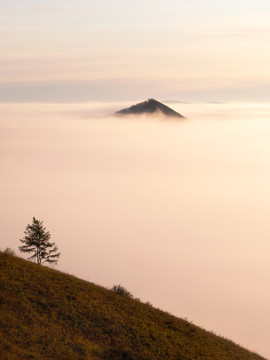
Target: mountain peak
150	106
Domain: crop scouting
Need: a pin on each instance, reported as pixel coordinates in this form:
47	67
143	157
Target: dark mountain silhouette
151	106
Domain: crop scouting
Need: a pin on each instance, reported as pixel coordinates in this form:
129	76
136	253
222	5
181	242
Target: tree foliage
37	242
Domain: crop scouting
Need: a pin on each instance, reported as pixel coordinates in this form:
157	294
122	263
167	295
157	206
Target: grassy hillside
48	315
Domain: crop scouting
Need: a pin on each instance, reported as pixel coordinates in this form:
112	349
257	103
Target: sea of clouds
175	211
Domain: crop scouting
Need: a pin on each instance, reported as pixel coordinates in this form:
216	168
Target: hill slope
150	106
46	314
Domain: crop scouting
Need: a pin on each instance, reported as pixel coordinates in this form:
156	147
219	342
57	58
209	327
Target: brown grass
48	315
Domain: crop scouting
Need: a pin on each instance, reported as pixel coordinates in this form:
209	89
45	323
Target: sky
77	51
178	213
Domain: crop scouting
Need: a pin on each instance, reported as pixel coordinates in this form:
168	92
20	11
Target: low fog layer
175	211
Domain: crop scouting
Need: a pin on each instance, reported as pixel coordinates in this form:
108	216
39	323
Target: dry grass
48	315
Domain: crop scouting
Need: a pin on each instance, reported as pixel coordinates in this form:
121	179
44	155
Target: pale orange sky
104	51
177	213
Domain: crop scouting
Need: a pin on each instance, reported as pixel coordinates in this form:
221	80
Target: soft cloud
117	89
177	212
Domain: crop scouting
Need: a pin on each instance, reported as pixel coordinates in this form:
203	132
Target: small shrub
119	289
9	251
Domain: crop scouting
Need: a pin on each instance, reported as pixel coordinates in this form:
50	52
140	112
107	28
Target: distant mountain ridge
150	106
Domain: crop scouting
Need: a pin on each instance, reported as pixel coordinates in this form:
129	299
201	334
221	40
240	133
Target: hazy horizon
64	51
175	211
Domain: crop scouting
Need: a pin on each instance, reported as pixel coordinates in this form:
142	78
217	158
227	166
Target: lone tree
36	241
